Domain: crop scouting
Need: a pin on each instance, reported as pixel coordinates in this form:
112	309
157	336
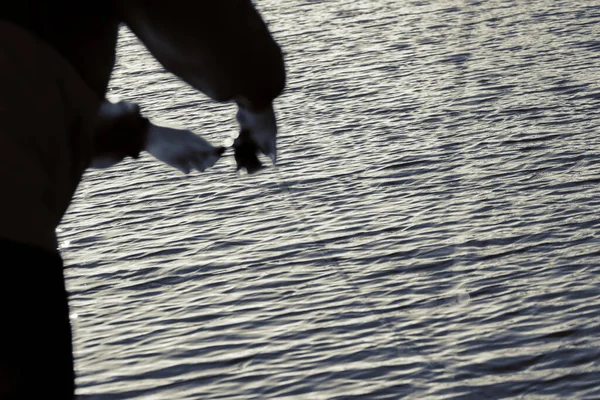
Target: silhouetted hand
181	149
246	153
258	134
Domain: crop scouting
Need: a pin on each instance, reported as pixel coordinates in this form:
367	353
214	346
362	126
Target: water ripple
431	231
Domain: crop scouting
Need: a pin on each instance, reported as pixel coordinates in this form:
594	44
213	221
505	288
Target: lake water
432	230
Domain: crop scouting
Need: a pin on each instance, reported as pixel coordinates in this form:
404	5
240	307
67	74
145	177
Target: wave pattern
431	230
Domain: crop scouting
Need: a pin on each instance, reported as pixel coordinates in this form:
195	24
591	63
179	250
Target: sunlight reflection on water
431	230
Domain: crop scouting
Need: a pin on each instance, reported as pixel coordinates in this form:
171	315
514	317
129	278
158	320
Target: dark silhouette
56	58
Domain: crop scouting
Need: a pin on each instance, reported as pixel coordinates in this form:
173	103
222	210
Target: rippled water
431	232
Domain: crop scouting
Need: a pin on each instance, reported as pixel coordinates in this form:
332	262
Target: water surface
431	232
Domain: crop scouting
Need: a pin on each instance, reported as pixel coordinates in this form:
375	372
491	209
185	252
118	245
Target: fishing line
322	247
383	320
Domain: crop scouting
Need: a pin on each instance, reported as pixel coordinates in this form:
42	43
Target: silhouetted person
55	63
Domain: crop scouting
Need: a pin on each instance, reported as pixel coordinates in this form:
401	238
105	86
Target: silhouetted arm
122	131
222	48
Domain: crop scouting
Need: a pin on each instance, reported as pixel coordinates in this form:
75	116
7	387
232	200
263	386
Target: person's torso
84	32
